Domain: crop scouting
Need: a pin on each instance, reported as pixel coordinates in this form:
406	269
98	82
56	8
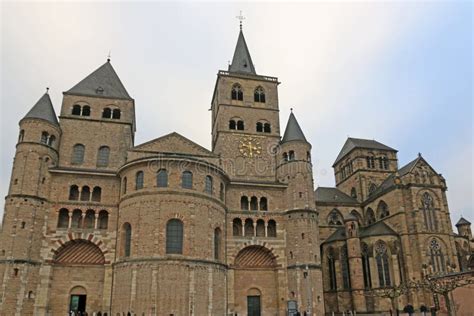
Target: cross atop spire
240	17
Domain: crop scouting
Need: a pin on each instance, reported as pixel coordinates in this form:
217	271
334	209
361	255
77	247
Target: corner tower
245	121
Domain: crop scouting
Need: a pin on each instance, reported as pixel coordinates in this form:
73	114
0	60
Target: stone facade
96	223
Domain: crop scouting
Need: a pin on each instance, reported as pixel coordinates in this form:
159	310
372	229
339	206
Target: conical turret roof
242	62
103	82
43	109
293	131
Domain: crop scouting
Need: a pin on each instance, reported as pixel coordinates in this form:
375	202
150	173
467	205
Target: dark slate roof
408	167
350	217
43	109
333	195
242	62
293	130
463	221
103	82
352	143
339	234
377	229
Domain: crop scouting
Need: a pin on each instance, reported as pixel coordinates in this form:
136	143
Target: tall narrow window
107	113
21	136
237	227
44	137
271	228
208	185
244	203
217	243
253	203
103	156
103	219
382	210
436	257
354	193
51	140
237	93
63	218
139	177
232	124
259	127
383	269
86	110
366	266
74	193
89	220
76	219
291	155
222	192
116	114
248	228
240	125
124	185
346	278
370	162
267	128
429	214
127	239
260	228
285	157
263	204
259	95
85	193
187	180
96	194
174	236
76	109
78	154
162	178
332	269
370	216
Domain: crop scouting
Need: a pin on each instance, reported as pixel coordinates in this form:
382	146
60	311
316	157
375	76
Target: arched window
44	138
139	177
346	278
103	156
162	178
208	185
187	180
259	95
259	127
74	193
232	124
86	110
291	155
76	109
370	216
285	157
372	188
89	220
383	163
237	93
116	114
107	113
260	229
103	219
63	218
271	228
253	203
332	268
96	194
76	219
381	257
267	128
357	215
217	243
335	218
428	212
127	239
240	125
366	266
370	162
436	257
237	227
248	228
21	136
85	193
51	140
244	203
174	236
78	154
263	204
124	185
308	156
354	193
222	192
382	210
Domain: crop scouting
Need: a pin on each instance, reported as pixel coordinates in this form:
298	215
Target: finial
108	56
291	109
419	154
47	90
240	18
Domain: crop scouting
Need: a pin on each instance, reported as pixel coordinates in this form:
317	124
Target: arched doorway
255	282
78	300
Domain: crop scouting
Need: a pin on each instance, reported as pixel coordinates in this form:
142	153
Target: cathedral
97	225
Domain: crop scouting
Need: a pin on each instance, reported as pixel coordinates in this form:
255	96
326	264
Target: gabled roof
242	62
337	235
103	82
43	109
332	195
168	143
353	143
377	229
463	221
293	130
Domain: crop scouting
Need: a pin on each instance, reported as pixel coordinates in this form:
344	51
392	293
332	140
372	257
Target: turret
464	228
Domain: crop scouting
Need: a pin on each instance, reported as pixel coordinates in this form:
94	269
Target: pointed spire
242	62
103	82
43	109
293	130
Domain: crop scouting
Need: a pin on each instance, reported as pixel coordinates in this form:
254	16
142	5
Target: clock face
250	147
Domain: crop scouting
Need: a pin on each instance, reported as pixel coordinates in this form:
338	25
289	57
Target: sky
399	72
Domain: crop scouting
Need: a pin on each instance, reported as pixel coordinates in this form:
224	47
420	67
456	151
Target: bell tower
245	120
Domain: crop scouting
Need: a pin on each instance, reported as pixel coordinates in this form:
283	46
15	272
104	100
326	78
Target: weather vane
240	17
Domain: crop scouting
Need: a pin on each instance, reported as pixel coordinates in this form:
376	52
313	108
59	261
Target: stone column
43	289
70	220
107	288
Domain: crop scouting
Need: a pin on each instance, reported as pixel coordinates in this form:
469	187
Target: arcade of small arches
84	193
46	138
76	218
253	204
261	126
290	156
248	228
237	93
85	110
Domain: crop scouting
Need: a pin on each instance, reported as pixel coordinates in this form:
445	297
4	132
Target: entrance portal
77	304
253	305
